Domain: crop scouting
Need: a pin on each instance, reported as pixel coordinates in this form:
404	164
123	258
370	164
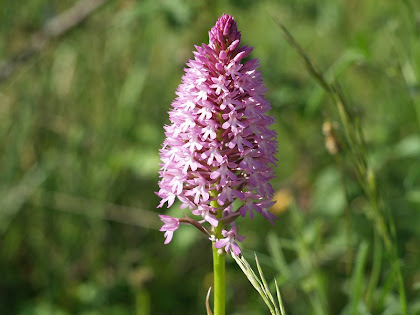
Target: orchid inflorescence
218	147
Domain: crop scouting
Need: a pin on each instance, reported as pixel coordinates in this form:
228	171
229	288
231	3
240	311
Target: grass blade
357	281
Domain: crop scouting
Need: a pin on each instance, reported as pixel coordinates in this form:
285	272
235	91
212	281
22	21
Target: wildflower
219	147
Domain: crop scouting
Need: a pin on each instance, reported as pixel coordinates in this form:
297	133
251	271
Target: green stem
219	282
218	267
376	268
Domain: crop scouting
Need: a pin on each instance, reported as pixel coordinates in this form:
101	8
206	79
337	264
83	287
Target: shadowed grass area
81	124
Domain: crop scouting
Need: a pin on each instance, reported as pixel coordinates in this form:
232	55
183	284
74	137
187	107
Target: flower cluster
219	147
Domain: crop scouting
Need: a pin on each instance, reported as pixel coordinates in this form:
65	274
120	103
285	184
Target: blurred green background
81	124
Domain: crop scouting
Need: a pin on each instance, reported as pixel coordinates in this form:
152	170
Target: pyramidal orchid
219	148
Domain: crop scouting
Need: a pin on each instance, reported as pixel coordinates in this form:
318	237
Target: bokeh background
81	124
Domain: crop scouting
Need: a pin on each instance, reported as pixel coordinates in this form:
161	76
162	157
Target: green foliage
80	132
276	307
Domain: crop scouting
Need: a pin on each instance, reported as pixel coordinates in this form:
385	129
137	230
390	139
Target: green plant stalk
219	270
347	216
357	280
376	268
219	282
354	138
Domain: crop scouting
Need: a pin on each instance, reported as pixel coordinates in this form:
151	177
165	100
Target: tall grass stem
365	175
